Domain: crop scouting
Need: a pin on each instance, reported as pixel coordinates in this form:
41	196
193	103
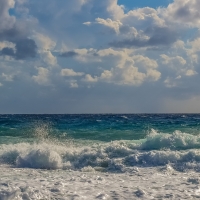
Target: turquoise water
110	142
96	127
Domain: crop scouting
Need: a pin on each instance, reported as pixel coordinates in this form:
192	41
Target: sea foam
156	150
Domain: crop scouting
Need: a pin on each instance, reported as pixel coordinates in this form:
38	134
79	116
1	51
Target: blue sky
90	56
131	4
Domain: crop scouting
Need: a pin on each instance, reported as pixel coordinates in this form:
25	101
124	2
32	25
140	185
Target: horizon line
147	113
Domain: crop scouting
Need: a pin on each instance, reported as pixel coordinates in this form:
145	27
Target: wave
179	149
175	141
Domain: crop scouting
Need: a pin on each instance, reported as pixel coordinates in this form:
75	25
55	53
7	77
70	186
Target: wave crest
179	149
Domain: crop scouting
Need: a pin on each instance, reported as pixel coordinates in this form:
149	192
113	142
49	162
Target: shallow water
99	156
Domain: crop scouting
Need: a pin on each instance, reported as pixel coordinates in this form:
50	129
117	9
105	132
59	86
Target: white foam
157	149
177	140
147	183
40	159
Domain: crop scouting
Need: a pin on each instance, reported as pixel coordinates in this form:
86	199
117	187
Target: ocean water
121	156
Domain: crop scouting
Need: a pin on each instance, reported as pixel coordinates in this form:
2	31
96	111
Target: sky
91	56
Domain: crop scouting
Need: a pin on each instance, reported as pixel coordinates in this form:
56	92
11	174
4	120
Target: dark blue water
107	127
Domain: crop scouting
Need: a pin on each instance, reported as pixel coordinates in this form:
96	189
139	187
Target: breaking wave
181	150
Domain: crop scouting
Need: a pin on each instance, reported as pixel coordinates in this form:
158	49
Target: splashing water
144	156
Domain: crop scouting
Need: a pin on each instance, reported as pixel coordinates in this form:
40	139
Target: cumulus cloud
143	17
70	72
6	44
73	84
15	32
184	11
48	58
179	65
156	36
6	21
45	47
89	78
190	72
129	75
106	74
43	41
194	49
115	25
125	69
153	74
43	76
177	60
104	43
145	62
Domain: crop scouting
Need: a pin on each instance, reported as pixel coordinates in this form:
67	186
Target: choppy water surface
77	144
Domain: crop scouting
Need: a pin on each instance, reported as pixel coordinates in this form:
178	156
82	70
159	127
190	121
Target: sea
100	156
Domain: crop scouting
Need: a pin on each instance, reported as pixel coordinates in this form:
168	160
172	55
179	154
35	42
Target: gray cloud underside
25	48
68	54
159	36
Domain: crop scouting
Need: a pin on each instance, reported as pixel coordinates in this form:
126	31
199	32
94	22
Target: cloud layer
96	56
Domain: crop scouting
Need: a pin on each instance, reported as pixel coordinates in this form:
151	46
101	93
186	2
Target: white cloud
183	11
43	41
194	50
86	55
87	23
143	16
73	84
131	76
43	76
177	60
170	83
126	71
115	25
89	78
116	11
48	58
5	44
6	21
106	74
45	45
190	72
145	61
104	43
195	45
181	66
7	77
153	74
179	44
70	72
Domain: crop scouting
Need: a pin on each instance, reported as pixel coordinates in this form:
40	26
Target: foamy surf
179	149
106	157
144	183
